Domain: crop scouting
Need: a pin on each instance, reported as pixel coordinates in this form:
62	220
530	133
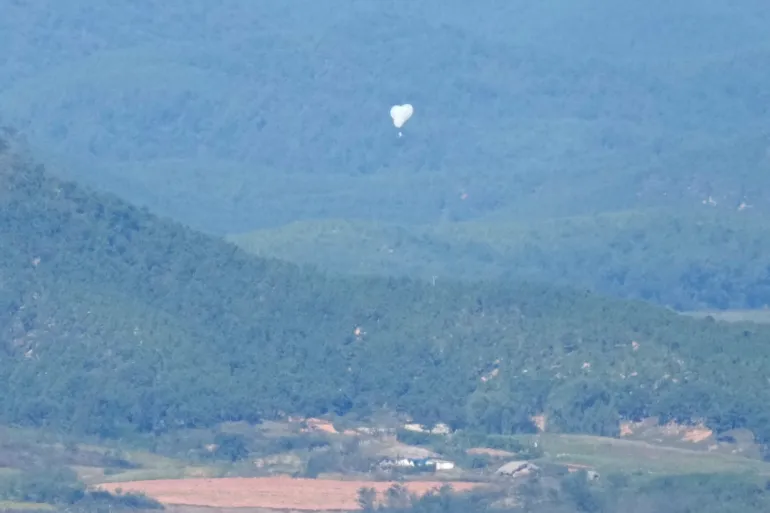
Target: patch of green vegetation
633	457
59	486
756	316
25	506
682	259
456	445
27	450
408	437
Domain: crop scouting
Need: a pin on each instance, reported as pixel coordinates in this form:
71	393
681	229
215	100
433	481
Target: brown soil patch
539	421
650	427
495	453
320	425
283	493
697	435
626	428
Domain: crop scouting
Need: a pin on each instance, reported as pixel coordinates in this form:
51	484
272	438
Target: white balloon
401	114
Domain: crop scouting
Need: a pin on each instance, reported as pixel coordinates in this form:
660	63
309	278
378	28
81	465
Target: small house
396	462
441	429
424	464
442	464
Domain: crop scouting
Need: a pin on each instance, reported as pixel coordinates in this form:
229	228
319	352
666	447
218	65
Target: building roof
514	466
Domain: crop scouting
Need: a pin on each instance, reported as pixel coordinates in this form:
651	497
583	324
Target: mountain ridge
116	322
684	260
178	110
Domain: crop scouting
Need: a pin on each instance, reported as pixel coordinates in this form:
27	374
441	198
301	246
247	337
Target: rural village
325	464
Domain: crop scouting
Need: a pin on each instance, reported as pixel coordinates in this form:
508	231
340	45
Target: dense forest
232	117
684	261
547	144
229	228
115	321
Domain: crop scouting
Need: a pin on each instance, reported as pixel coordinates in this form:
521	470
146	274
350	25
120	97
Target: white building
441	464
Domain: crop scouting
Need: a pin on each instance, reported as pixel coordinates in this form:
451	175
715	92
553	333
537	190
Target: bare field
494	453
181	508
282	493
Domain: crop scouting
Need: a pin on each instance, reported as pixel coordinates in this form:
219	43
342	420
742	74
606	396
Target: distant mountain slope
251	115
113	320
687	261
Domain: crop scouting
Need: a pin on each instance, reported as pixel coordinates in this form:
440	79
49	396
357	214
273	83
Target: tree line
115	321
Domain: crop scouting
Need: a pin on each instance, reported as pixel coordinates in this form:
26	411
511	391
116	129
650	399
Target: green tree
231	446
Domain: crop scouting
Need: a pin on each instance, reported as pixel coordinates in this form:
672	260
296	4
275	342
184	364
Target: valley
342	462
231	283
154	353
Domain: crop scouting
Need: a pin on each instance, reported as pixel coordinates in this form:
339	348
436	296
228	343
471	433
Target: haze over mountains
117	322
525	113
630	158
206	216
534	111
684	261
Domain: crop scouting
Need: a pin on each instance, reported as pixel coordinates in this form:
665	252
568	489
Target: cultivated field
282	493
613	455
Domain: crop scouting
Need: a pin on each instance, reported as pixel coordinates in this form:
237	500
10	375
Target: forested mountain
572	168
629	156
685	261
115	321
240	115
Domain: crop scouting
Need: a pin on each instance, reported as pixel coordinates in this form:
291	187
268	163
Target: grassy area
615	455
170	470
148	466
26	450
757	316
603	454
25	506
151	473
635	245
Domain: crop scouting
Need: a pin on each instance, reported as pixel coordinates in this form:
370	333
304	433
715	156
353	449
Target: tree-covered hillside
685	261
240	115
113	321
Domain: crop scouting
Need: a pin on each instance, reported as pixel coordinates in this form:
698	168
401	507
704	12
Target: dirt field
269	492
495	453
